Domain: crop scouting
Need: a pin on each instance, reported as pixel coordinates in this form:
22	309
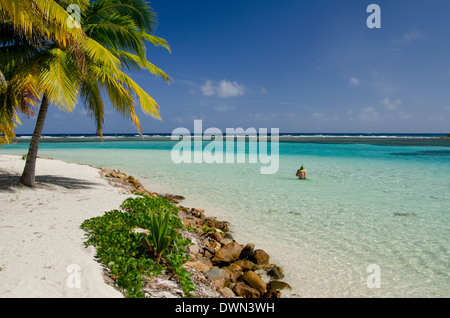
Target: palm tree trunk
28	175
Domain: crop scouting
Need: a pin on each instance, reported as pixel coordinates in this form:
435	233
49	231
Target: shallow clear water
364	204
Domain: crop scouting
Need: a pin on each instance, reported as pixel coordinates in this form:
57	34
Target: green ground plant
132	256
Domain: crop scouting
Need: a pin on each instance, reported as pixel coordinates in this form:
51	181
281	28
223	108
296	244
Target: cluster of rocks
217	260
236	270
129	184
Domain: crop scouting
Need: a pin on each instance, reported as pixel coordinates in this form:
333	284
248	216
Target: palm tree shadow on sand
10	182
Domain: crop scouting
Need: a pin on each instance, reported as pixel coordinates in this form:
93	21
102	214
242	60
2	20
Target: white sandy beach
41	250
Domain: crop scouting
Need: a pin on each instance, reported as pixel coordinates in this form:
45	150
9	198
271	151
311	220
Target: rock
236	266
276	272
175	199
140	189
219	276
205	261
227	292
215	236
245	291
216	272
278	285
183	209
194	249
227	254
272	294
233	272
207	253
247	251
199	266
198	213
191	221
212	223
214	245
225	241
261	257
252	279
246	265
107	172
220	283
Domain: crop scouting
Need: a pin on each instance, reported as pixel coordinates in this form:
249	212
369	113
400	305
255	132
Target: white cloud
368	114
263	117
224	108
224	89
403	115
82	111
187	118
321	117
354	81
410	36
207	88
230	89
392	105
350	115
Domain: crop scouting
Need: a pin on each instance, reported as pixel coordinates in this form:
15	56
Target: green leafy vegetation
132	256
162	234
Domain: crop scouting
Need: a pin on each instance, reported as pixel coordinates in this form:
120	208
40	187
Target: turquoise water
364	204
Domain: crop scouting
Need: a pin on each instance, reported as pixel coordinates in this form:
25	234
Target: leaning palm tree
114	36
23	23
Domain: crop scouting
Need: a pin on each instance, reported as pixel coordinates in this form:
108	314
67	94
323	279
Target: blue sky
300	66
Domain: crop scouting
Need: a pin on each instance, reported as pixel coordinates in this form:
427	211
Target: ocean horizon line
384	139
284	134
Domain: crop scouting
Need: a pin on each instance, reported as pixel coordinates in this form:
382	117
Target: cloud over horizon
224	89
354	81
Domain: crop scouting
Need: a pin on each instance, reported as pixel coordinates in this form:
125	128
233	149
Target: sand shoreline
42	253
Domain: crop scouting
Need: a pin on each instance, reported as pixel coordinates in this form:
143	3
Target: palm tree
123	28
22	26
113	39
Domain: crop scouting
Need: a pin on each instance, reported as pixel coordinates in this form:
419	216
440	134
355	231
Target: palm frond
117	32
147	103
59	79
134	62
101	55
156	41
91	94
47	18
139	11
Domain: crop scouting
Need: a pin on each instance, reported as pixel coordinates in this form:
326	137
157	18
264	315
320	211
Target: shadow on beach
10	182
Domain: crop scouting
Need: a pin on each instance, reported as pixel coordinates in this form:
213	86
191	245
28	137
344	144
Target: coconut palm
113	39
36	18
23	25
123	28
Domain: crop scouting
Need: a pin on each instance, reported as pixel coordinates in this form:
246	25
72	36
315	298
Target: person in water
301	173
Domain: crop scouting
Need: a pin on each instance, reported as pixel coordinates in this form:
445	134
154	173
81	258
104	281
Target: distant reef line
441	141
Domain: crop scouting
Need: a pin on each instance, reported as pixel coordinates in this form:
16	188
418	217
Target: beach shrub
145	203
131	256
